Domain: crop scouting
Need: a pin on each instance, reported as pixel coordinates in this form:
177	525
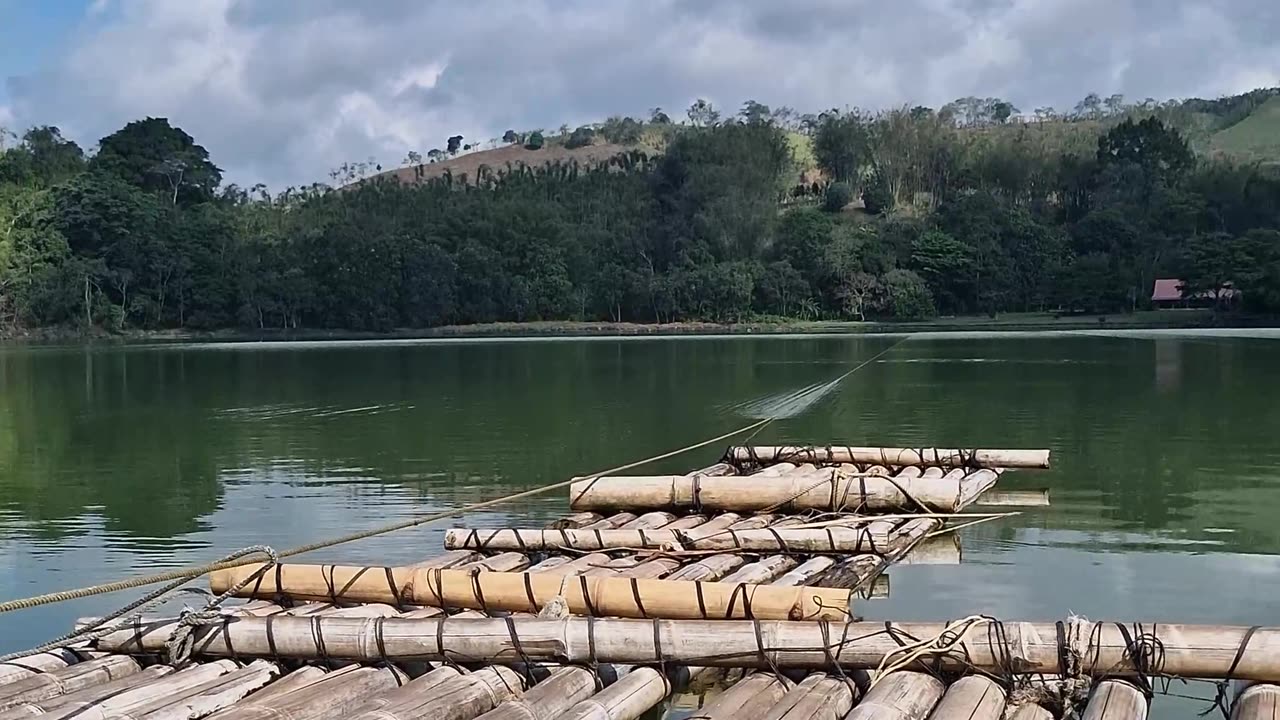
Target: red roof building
1168	293
1167	290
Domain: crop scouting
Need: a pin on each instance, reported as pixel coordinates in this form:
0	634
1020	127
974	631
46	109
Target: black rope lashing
586	596
635	593
1224	685
395	591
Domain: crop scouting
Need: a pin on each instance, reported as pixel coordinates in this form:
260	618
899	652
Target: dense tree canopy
912	213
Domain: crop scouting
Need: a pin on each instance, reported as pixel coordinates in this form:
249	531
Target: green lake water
1165	488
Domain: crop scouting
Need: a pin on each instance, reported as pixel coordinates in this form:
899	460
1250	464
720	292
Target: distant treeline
919	214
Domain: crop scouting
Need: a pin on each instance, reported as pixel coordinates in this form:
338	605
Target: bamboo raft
746	573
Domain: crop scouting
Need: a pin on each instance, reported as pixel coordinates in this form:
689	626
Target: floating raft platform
745	575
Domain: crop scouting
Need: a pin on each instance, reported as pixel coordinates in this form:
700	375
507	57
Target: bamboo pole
974	697
1202	651
818	697
1030	711
709	569
550	698
296	680
761	571
87	696
452	558
891	456
649	521
899	695
834	488
750	697
628	698
616	520
217	694
333	696
840	540
67	680
145	698
36	663
460	698
529	592
1115	699
1014	498
1257	701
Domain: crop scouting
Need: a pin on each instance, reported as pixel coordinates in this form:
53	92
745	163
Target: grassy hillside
1256	138
509	155
1244	128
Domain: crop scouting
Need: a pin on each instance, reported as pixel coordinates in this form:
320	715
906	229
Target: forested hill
907	213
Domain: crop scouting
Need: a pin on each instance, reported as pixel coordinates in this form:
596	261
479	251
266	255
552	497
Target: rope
187	574
181	641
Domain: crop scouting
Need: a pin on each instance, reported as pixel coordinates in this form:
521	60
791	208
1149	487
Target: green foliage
995	216
155	156
621	130
837	196
842	145
877	196
581	137
908	298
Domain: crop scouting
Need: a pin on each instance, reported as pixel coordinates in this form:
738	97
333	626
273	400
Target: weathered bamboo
87	696
502	562
452	558
577	520
296	680
460	698
750	697
709	569
1115	700
836	539
67	680
1030	711
550	698
36	663
891	456
937	550
835	489
628	698
761	571
333	696
1014	498
974	697
1256	701
529	592
817	697
616	520
649	521
217	694
1202	651
900	695
145	698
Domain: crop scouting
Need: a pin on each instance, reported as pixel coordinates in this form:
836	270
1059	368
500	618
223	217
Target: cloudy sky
281	91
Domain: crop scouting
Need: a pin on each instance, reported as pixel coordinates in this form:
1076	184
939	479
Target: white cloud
283	92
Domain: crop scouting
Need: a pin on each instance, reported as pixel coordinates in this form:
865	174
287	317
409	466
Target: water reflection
1165	485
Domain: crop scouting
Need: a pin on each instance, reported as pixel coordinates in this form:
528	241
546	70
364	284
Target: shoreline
1014	322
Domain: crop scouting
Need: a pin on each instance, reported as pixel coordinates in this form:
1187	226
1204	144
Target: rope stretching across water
241	557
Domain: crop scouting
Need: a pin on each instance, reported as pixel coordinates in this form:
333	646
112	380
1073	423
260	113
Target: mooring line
193	572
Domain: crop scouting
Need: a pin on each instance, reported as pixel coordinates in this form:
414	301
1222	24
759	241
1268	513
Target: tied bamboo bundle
982	644
835	489
530	592
900	457
832	539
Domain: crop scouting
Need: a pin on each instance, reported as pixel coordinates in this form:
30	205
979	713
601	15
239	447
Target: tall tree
153	155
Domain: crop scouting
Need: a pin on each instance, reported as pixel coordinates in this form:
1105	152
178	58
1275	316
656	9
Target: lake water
117	461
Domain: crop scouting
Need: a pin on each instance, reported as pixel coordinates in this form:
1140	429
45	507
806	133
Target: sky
282	91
